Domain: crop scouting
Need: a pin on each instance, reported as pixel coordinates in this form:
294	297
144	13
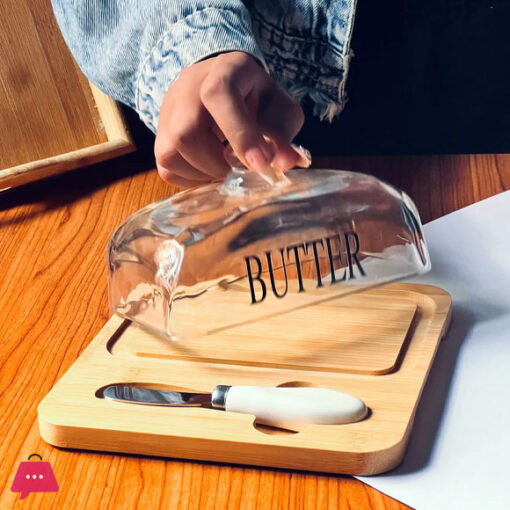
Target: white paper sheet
459	452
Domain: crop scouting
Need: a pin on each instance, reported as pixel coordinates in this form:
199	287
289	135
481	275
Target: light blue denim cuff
193	38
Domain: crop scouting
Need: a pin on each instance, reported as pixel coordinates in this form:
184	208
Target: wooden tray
51	119
381	349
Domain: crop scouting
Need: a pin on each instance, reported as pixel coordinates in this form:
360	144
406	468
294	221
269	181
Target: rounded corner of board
384	459
50	432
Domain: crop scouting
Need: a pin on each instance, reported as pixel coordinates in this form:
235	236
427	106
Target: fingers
286	156
279	113
185	144
191	147
202	150
282	118
223	97
172	163
181	182
174	169
246	105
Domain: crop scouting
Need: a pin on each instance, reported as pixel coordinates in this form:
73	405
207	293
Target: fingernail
278	172
230	157
256	160
268	149
305	157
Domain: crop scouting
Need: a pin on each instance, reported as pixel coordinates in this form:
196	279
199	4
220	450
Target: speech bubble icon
36	476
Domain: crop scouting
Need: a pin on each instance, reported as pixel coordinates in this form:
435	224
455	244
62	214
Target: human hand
227	98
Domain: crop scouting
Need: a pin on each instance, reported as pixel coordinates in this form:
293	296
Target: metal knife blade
151	397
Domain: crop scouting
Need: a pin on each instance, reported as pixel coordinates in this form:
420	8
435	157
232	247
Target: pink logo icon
34	476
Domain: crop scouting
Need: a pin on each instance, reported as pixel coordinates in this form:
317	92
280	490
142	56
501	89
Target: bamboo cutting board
51	119
74	414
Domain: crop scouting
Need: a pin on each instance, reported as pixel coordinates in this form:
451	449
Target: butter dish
255	248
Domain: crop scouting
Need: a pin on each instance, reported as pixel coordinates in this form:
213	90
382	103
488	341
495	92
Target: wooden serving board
378	345
51	119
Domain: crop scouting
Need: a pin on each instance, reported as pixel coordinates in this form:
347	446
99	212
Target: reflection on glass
223	254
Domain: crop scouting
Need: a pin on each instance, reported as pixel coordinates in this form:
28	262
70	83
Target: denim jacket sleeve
133	50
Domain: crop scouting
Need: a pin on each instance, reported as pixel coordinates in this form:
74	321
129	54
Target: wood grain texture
53	236
74	415
361	333
50	120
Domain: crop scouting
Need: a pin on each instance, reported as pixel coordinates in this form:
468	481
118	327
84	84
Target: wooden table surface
53	301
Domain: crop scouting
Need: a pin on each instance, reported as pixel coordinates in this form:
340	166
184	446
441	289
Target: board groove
72	415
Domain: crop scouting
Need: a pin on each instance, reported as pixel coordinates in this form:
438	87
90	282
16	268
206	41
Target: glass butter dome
216	256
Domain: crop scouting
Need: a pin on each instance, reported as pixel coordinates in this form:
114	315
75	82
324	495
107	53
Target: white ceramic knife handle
294	408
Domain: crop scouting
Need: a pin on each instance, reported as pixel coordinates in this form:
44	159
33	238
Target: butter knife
290	408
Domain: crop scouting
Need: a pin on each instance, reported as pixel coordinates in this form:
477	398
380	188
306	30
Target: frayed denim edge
324	107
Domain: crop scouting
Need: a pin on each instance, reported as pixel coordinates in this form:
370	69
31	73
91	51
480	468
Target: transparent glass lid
223	254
